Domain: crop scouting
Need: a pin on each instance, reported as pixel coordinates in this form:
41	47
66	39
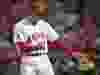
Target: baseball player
31	44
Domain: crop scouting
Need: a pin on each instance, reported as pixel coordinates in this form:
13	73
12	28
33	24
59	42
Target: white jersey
39	34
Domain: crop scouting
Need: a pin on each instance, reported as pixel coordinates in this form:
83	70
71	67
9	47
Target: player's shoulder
29	28
43	23
19	19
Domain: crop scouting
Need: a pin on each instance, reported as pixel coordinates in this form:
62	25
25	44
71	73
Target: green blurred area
87	70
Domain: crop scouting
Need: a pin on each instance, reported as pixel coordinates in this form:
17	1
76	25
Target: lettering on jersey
34	39
39	38
37	35
41	44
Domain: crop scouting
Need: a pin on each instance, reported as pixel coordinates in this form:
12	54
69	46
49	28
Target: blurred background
64	18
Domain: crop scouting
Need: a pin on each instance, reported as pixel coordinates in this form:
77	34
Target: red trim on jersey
67	51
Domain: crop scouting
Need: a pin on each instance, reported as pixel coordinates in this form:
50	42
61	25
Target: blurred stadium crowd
78	42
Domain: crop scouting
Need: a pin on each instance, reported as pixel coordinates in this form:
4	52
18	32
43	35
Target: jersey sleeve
17	29
52	34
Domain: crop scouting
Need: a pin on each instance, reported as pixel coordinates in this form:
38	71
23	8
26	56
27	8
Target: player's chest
33	33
